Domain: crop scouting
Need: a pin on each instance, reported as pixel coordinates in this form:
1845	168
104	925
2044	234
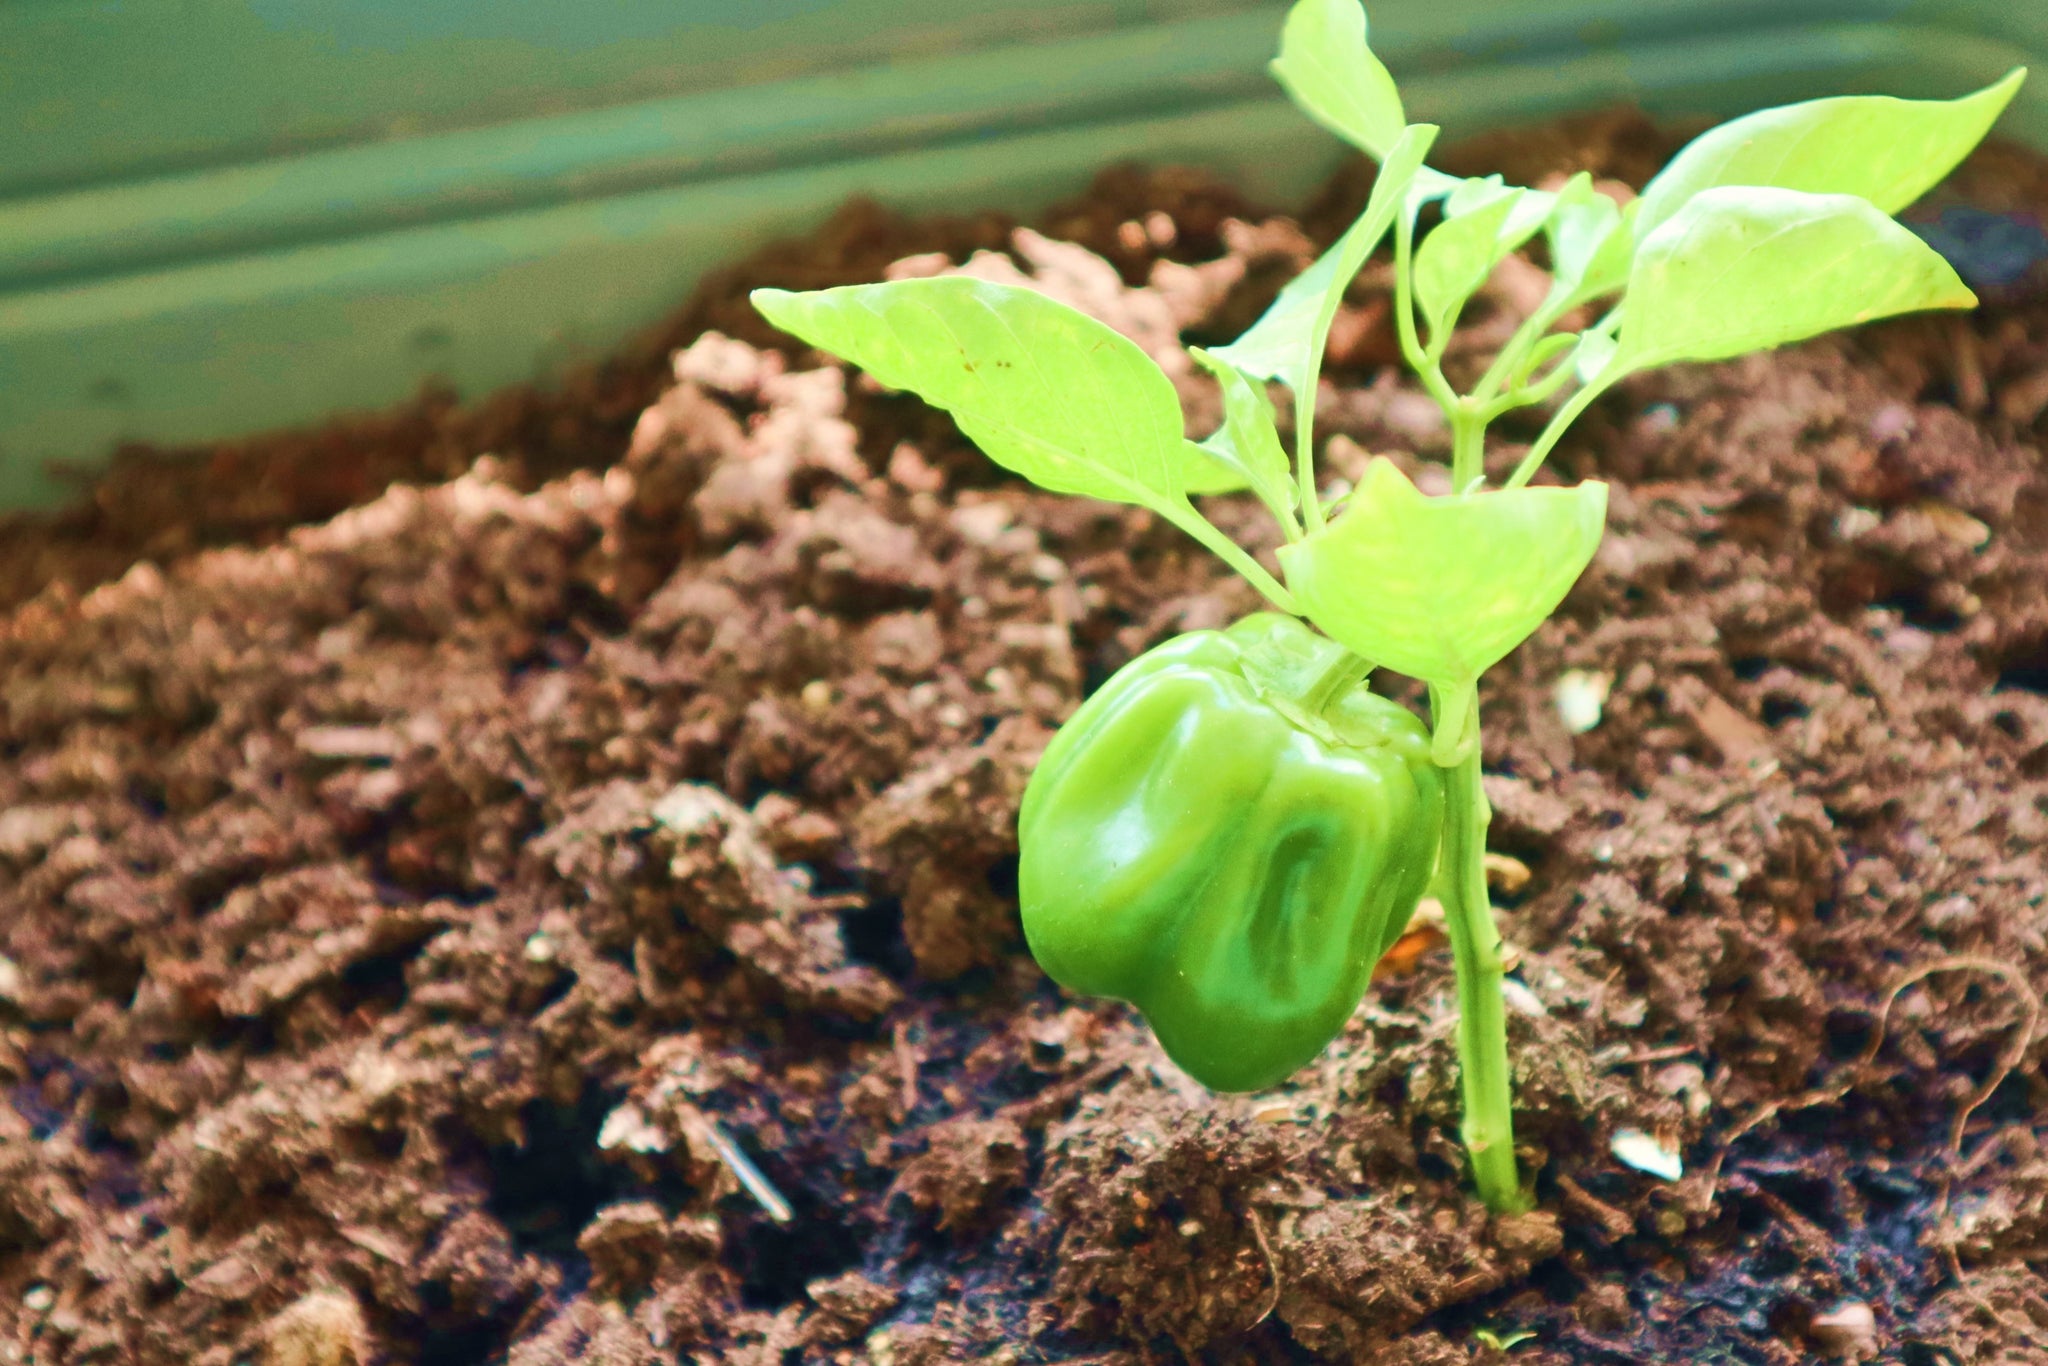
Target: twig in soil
906	1065
1812	1238
1272	1269
1835	1090
2030	1006
1664	1054
1035	1110
759	1186
1612	1221
2030	1002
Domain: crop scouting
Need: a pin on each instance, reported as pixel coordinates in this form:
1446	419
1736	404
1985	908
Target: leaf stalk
1559	422
1236	556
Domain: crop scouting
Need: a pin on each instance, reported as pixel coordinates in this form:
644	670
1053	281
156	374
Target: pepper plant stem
1343	674
1468	446
1488	1128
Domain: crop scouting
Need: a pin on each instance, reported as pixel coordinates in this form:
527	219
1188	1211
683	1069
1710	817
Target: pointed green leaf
1551	349
1579	222
1442	588
1888	151
1484	221
1591	244
1247	441
1740	269
1431	184
1475	193
1286	343
1595	354
1045	390
1529	208
1330	73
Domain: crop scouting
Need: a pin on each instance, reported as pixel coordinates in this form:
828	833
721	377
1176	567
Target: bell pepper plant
1232	831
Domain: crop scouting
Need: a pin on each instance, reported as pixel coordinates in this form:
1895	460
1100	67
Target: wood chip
358	743
1506	874
1740	741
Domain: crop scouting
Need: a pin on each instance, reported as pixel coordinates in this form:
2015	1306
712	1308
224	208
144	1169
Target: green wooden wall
221	216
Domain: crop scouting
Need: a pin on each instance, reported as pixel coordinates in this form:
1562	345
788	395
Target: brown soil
425	906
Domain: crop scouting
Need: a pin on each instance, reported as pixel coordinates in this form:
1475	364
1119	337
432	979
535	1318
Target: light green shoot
1502	1340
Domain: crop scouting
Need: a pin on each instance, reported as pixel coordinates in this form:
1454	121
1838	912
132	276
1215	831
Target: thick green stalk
1468	446
1489	1124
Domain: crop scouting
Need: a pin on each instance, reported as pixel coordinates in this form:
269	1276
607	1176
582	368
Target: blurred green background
224	216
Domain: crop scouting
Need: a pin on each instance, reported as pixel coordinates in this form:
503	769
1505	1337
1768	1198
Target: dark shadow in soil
449	1340
547	1190
377	983
2027	670
777	1260
873	933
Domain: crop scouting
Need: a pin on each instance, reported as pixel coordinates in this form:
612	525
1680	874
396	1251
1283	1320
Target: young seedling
1233	830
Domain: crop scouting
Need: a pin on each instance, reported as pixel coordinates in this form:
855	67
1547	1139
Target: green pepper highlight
1229	835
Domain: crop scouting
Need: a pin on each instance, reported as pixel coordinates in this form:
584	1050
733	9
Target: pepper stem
1339	677
1489	1124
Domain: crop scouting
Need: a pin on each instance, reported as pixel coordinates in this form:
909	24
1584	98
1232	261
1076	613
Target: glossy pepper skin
1229	834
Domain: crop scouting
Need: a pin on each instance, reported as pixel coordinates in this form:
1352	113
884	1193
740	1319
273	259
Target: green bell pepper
1230	834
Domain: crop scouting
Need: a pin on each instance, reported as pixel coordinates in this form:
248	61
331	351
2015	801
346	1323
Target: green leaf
1474	193
1431	184
1045	390
1327	69
1542	355
1595	353
1888	151
1484	220
1205	472
1591	243
1442	588
1740	269
1529	208
1248	442
1286	343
